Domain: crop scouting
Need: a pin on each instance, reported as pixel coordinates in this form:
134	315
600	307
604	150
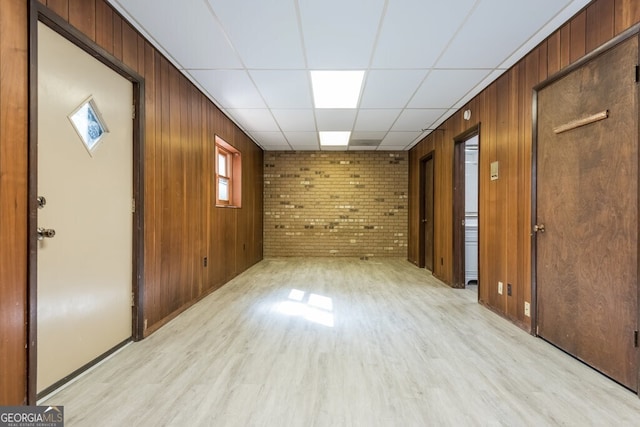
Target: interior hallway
357	343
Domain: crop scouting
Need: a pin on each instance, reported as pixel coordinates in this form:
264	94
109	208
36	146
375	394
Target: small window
89	124
228	180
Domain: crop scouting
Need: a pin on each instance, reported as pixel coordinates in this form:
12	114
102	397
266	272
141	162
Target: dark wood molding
458	206
421	227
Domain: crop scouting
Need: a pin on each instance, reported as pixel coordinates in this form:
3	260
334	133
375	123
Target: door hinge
635	338
133	300
637	73
133	111
133	205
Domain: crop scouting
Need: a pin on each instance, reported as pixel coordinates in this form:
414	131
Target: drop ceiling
423	59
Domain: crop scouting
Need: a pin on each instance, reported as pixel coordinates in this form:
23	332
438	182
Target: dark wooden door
587	200
427	211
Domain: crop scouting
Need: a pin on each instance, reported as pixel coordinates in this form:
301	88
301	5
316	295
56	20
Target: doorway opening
466	210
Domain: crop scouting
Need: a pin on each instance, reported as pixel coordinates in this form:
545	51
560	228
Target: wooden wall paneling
513	144
483	189
82	15
152	275
441	230
578	36
627	13
553	53
141	54
129	46
600	23
206	191
489	222
167	290
565	45
198	155
155	291
501	187
189	174
13	201
543	64
104	26
176	199
117	36
61	7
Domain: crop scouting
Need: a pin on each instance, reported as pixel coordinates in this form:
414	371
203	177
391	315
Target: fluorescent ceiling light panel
334	138
336	89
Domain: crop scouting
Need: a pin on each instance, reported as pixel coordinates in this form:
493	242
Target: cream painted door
85	270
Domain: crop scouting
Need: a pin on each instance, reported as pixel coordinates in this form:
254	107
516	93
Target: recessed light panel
336	89
335	139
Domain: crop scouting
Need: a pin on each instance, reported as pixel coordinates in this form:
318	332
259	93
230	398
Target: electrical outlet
527	309
500	288
508	289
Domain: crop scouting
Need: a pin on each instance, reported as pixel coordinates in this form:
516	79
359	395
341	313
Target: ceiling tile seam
439	57
535	35
303	43
184	71
225	33
434	66
145	33
244	68
372	54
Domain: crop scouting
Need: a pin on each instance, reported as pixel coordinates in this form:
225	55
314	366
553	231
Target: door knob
538	228
45	233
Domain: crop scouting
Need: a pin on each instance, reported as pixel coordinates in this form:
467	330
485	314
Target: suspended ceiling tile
415	32
358	148
390	88
180	28
477	89
376	119
255	120
294	119
553	24
443	88
417	119
398	139
269	139
284	89
335	120
265	33
306	139
477	47
340	34
368	135
230	88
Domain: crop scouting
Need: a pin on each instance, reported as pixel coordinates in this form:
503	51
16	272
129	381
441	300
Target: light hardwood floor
362	343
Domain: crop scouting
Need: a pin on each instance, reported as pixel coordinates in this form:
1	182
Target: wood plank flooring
357	343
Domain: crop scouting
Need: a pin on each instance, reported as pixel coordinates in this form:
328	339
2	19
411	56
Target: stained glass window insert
88	123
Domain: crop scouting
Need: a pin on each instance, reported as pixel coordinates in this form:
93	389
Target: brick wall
319	203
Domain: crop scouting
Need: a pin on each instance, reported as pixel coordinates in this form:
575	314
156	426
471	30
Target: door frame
631	32
459	206
421	226
40	13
